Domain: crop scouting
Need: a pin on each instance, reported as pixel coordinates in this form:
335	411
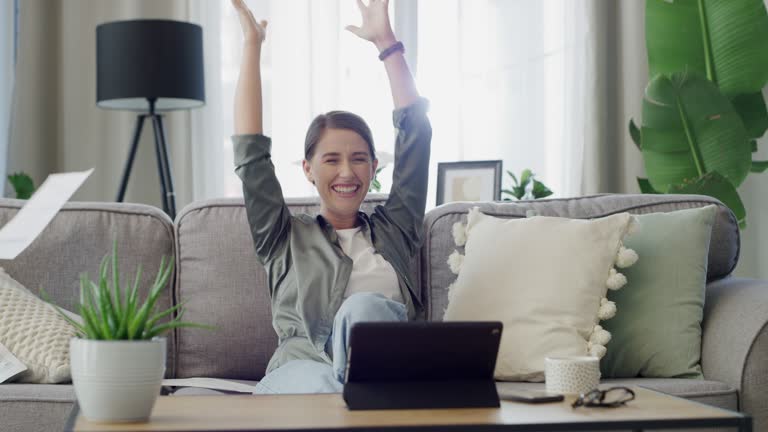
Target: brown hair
336	120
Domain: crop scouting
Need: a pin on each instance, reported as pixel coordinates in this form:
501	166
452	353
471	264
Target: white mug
571	374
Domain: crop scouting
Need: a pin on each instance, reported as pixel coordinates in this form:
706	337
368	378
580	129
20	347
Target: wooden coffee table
328	412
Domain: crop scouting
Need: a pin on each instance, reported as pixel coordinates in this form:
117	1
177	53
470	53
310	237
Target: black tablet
422	364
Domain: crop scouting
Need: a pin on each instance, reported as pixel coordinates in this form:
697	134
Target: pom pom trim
607	309
615	280
459	232
455	261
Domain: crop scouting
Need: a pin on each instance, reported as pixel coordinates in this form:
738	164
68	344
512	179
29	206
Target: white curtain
310	65
514	80
507	79
523	81
207	131
7	38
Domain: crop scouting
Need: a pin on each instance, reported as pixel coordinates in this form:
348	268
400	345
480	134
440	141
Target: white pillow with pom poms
545	279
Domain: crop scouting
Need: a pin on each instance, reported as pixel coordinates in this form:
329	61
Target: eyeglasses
608	398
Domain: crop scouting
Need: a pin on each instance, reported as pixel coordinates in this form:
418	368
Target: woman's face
341	169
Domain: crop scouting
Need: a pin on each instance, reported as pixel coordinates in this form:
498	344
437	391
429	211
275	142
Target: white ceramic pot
117	381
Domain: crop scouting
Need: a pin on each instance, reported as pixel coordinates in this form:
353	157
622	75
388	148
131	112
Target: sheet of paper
210	383
38	212
10	366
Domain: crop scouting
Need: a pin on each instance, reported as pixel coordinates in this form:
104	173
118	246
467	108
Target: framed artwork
468	181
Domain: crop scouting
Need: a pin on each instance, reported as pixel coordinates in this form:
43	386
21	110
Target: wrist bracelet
397	46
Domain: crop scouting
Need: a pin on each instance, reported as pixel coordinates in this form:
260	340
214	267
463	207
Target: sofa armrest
735	342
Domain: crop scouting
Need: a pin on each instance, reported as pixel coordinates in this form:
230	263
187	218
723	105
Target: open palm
252	30
375	27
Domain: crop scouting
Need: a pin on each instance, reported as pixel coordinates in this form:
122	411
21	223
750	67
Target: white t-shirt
370	271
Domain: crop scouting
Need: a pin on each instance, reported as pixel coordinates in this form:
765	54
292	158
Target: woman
327	272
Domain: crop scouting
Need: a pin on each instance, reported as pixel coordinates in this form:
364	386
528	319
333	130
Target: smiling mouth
345	189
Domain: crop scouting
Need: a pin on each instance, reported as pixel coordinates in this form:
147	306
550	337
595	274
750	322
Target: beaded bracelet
397	46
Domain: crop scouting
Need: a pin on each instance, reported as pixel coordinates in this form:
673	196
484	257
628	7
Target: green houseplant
385	158
527	188
111	313
118	359
375	183
703	109
22	184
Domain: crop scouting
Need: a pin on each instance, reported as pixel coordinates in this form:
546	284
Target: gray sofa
219	278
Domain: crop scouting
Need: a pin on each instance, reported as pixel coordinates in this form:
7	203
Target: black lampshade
139	60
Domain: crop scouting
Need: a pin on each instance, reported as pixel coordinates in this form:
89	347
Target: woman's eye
331	161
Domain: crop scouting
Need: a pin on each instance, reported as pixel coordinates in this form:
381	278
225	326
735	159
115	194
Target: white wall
754	193
754	240
6	81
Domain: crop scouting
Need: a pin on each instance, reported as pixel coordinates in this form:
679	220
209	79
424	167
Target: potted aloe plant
118	359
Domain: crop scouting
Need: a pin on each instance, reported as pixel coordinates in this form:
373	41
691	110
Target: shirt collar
330	232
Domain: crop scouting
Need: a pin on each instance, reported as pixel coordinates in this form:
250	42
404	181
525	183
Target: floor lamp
150	66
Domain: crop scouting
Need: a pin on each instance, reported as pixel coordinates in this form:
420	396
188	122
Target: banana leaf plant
703	109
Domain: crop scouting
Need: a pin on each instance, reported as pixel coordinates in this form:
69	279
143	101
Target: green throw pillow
657	328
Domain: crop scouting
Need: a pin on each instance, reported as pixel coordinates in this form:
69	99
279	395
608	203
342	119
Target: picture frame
468	181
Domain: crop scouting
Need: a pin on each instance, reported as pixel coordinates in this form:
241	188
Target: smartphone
529	396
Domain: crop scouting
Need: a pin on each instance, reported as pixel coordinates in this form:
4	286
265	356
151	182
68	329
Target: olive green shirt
306	269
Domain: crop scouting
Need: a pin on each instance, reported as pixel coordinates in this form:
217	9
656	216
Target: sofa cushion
439	244
708	392
35	407
713	393
41	407
545	278
36	393
224	285
77	239
657	332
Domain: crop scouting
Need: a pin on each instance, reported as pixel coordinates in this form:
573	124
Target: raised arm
248	103
377	29
268	217
407	198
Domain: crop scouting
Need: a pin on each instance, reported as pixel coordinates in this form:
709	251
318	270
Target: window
507	79
9	32
15	30
310	65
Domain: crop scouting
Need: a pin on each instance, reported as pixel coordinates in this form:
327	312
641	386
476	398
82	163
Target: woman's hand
376	27
253	31
248	104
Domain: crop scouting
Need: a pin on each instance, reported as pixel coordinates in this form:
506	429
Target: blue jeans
308	376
